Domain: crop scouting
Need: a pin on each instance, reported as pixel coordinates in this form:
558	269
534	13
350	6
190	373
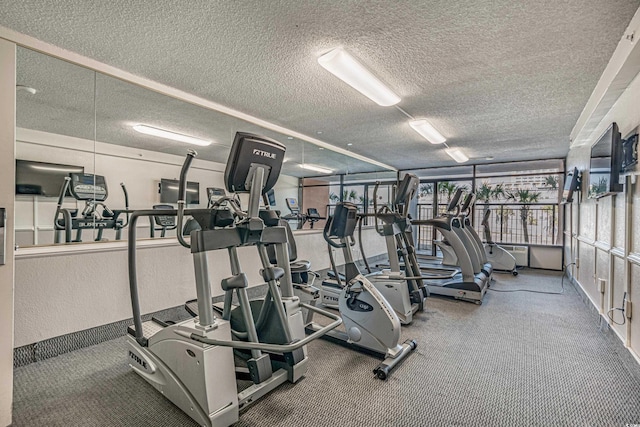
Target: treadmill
470	284
471	240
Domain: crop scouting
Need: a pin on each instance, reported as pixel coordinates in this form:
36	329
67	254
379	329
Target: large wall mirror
75	123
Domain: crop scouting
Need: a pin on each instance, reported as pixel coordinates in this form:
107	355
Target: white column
7	191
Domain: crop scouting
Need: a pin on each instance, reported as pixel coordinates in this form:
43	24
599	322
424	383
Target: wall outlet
602	285
627	308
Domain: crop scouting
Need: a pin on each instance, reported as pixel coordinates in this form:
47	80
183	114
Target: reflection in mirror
55	136
123	162
324	192
148	164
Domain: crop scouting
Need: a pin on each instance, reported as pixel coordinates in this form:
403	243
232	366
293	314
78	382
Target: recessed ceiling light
289	137
345	67
315	168
321	148
489	158
427	131
457	155
161	133
350	144
319	132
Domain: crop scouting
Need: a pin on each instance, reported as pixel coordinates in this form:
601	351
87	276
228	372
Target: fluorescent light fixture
315	168
457	155
427	131
161	133
345	67
57	169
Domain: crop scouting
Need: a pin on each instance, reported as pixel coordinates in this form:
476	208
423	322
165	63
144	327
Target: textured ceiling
498	78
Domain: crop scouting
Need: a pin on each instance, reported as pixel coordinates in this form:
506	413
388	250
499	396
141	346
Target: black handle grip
182	188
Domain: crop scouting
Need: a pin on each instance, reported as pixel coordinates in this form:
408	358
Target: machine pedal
294	357
260	369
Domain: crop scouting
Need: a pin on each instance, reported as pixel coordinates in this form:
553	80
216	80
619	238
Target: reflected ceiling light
315	168
457	155
189	190
346	68
427	131
57	169
161	133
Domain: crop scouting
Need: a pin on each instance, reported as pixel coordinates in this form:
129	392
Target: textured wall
600	231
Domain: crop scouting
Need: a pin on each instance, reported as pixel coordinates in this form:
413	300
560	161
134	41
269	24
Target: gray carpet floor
520	359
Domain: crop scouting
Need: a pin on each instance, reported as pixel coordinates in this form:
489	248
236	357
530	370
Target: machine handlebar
182	190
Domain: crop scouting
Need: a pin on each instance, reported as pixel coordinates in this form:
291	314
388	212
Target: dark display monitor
407	188
247	152
271	198
571	184
42	179
169	191
604	170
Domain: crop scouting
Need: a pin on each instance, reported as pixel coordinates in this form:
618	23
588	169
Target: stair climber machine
91	189
192	362
404	290
473	279
499	257
370	322
469	237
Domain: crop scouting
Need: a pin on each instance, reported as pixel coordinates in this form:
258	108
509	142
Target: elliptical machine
192	362
404	290
92	189
473	279
498	256
371	324
470	239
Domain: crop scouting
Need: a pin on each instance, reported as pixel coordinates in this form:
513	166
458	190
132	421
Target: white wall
286	187
597	233
7	185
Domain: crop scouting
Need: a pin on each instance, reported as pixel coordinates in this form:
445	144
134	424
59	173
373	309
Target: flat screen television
604	168
42	179
169	191
629	154
571	185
